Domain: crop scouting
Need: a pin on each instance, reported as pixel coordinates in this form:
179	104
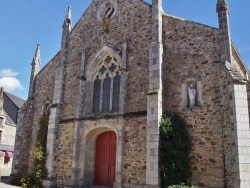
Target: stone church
119	68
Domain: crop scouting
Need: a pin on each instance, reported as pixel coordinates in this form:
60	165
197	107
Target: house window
7	157
106	90
1	134
1	121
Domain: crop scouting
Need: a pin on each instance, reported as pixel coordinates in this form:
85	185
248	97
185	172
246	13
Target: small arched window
46	108
1	121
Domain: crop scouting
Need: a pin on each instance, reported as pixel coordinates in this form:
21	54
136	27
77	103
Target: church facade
119	68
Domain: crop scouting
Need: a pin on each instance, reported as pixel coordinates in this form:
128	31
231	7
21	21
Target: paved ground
3	185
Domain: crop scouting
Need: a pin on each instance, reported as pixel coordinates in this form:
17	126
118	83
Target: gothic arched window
46	107
106	90
106	94
116	92
96	95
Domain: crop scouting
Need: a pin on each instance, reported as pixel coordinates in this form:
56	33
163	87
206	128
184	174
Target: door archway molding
84	154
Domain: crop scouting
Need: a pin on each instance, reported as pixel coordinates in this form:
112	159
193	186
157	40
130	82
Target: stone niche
192	90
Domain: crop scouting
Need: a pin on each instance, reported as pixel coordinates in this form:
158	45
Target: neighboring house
9	106
118	69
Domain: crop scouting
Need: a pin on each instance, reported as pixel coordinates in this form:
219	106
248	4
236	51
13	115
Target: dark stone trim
54	106
104	116
135	114
115	48
68	120
153	92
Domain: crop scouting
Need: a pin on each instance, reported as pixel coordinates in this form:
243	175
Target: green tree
174	150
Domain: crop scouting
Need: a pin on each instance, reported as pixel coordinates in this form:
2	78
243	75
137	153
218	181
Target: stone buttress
56	105
23	140
237	157
154	98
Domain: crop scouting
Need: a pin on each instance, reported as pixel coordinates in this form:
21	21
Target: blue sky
24	23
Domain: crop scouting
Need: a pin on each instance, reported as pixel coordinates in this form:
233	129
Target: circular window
107	10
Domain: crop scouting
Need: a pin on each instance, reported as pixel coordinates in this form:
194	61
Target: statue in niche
191	95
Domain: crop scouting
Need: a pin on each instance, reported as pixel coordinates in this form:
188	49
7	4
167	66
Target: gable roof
11	106
16	100
9	120
239	60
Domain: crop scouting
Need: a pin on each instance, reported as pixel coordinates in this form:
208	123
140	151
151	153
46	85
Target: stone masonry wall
189	46
8	138
5	169
44	89
134	151
65	153
8	135
30	114
23	139
133	20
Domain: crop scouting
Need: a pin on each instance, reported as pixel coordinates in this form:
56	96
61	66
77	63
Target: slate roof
9	121
16	100
11	106
235	73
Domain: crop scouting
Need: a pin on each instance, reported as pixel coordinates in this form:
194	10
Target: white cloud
9	81
8	73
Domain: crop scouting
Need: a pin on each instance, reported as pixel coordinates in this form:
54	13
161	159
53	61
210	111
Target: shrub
39	173
174	150
182	186
15	180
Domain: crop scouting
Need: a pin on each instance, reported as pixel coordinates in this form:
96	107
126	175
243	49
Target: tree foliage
39	173
174	150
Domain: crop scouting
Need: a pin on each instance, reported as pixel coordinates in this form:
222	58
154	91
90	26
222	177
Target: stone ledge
193	108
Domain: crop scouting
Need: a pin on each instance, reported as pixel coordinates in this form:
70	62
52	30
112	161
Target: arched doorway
105	159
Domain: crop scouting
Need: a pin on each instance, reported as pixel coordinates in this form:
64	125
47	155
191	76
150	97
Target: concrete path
4	185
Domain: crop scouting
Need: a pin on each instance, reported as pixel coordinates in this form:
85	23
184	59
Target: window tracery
106	91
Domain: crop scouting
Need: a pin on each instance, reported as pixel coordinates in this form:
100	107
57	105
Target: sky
25	23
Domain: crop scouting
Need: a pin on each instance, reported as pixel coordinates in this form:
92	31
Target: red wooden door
105	159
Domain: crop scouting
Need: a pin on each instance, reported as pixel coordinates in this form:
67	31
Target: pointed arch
96	58
102	73
84	160
46	106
